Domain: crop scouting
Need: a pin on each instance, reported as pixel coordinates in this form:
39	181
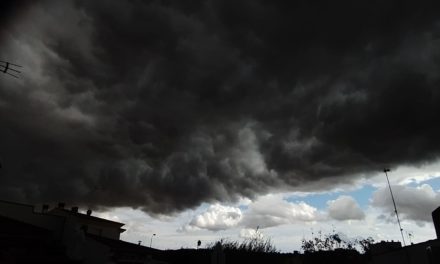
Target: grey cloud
163	106
413	203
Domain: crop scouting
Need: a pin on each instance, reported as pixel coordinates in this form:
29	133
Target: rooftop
85	216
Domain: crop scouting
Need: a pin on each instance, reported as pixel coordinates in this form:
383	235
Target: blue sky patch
434	183
319	201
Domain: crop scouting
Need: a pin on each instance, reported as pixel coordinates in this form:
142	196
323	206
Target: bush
334	241
255	244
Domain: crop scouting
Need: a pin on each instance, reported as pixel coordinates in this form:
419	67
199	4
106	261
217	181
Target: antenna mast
394	203
9	68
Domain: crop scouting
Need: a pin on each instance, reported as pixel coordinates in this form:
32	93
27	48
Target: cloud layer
270	211
165	105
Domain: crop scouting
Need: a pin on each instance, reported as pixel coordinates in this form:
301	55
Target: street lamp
151	240
395	208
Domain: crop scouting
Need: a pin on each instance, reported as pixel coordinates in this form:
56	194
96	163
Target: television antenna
10	68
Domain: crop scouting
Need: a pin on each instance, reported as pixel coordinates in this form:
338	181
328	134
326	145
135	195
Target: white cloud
413	203
216	217
345	208
267	211
273	210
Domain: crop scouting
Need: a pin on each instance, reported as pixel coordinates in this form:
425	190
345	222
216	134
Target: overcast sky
217	116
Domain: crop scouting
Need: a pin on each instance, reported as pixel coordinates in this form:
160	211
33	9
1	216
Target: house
59	218
25	213
87	223
436	220
60	235
33	244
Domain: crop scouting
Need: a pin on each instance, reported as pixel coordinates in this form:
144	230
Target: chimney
75	209
61	205
436	220
89	212
45	208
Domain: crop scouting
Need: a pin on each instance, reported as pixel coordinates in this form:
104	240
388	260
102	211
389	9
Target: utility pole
395	208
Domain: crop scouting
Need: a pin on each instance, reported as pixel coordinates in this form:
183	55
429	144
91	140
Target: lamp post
395	208
151	240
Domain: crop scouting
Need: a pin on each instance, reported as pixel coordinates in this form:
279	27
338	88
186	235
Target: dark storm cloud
163	105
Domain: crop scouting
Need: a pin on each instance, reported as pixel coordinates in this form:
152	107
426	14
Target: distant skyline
210	118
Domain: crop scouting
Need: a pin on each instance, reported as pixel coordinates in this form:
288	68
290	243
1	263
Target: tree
365	244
